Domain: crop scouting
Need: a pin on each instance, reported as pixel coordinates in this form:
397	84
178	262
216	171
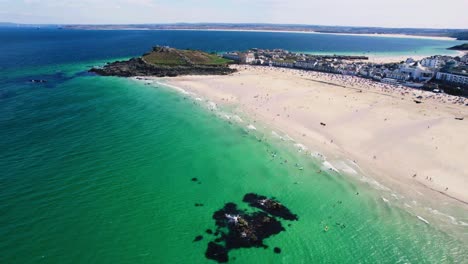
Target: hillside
460	47
171	56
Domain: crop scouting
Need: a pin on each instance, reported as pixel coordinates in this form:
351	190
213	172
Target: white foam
346	168
385	200
276	135
329	166
212	105
422	219
374	183
181	90
318	155
251	127
300	146
237	118
436	212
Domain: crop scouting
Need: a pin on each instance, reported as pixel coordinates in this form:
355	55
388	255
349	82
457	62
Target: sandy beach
419	148
306	32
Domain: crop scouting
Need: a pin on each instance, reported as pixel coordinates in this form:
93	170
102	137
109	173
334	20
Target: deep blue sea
109	170
39	47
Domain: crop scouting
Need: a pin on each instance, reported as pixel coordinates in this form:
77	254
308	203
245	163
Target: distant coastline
303	32
462	47
429	33
460	34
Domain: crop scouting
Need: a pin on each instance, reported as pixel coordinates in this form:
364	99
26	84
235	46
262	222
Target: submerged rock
217	252
270	206
277	250
198	238
244	229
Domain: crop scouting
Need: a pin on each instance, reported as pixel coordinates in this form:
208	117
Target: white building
410	60
305	64
417	72
283	64
434	62
453	77
248	58
232	56
464	59
397	75
389	81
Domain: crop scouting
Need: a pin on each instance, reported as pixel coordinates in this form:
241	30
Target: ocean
112	170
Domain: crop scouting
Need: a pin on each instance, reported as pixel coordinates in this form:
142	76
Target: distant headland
462	47
170	62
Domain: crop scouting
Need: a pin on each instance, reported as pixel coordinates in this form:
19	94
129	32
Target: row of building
441	69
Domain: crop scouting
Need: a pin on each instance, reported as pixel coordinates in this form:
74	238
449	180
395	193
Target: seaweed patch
237	228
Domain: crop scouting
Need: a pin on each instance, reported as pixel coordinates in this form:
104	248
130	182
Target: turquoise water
98	170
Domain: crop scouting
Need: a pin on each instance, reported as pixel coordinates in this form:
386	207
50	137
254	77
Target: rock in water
270	206
242	229
198	238
217	252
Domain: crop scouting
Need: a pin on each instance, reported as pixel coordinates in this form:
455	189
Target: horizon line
223	23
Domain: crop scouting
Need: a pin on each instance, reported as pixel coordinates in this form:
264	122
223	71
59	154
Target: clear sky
386	13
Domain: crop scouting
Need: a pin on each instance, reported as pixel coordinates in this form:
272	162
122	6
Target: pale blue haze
397	13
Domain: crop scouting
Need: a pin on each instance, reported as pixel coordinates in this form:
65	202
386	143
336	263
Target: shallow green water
98	170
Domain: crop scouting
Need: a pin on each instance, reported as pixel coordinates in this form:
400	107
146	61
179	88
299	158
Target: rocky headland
167	62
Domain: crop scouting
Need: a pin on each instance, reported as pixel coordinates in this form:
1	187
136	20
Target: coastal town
436	73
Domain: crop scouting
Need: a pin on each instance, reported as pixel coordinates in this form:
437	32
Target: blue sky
393	13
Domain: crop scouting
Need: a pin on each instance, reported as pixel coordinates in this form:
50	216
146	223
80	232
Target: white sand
312	32
420	149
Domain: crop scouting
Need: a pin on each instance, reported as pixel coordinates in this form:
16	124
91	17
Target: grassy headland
165	61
